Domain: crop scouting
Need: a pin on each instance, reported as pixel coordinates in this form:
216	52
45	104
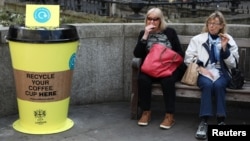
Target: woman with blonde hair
157	31
216	53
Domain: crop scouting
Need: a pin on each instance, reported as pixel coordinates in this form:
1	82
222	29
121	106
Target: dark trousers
168	87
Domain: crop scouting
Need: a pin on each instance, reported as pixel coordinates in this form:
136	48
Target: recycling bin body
43	62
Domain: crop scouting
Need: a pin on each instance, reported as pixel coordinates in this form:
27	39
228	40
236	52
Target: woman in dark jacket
156	31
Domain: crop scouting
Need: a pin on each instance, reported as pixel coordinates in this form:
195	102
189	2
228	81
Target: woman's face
214	26
153	20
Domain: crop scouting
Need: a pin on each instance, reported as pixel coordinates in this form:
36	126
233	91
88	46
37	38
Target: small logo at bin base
40	115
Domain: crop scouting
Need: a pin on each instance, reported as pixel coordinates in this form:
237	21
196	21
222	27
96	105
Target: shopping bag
191	75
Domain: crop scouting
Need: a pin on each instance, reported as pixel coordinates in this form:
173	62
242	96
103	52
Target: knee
144	79
219	86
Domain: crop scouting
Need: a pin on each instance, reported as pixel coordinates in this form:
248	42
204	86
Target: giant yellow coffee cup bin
43	62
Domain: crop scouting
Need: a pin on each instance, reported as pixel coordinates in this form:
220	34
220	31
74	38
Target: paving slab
111	122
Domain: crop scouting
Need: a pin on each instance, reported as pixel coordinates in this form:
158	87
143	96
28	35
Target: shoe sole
166	127
200	137
142	124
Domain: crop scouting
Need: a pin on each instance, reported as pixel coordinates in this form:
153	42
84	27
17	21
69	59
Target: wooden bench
182	90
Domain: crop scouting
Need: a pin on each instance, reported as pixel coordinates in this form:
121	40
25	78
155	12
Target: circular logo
72	61
42	15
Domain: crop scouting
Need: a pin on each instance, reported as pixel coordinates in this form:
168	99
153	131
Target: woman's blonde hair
220	16
159	14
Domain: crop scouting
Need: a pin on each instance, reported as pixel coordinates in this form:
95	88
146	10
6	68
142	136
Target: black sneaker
201	132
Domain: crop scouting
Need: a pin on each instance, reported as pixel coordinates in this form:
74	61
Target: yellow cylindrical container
43	62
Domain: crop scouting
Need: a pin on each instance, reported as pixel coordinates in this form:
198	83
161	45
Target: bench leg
135	110
134	106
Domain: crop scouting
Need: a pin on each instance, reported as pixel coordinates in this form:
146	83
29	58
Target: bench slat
182	90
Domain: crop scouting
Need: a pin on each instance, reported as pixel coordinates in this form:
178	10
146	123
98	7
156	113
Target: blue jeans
210	89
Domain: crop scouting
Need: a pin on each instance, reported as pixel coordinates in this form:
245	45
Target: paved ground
111	122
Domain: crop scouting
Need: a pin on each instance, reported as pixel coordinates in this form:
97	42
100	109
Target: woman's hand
206	72
224	41
148	29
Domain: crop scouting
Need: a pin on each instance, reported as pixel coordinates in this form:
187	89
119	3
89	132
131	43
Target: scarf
215	46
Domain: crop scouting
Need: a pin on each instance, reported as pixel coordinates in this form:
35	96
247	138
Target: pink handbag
161	61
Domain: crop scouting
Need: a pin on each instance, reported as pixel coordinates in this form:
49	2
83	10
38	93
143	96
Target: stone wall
103	66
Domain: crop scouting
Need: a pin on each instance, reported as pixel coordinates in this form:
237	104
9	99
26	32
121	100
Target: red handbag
161	61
